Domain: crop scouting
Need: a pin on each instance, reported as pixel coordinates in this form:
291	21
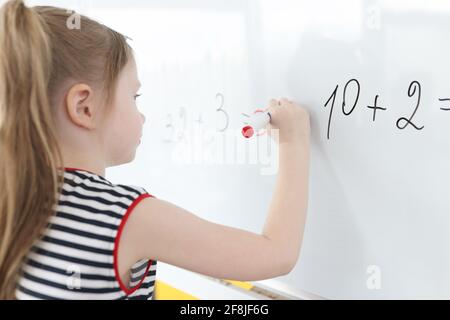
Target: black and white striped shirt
77	255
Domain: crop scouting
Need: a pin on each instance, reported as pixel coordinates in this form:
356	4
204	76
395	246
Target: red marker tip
248	131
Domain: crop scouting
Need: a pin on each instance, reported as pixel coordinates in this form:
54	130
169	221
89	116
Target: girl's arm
160	230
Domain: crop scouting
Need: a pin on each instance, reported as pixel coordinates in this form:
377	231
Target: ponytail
29	154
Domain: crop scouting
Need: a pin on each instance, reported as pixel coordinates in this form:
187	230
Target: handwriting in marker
413	88
414	91
375	107
444	100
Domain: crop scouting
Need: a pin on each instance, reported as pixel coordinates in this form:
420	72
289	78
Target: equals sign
442	100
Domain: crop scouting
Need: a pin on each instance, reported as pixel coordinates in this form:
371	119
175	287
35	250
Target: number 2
413	87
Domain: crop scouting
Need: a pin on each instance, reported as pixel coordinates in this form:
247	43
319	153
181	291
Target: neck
92	163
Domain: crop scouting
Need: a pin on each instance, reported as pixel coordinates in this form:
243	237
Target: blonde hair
38	52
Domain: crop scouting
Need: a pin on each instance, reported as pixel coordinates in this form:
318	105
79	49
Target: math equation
177	125
350	102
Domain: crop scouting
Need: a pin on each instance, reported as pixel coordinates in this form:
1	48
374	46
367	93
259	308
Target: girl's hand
290	119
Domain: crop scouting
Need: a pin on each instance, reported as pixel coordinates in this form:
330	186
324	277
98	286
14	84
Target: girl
67	112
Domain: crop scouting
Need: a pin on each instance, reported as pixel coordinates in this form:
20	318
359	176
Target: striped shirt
77	256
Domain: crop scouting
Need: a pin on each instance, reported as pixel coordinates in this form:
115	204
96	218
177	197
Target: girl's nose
143	118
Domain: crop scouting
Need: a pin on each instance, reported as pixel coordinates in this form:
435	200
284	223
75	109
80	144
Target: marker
256	122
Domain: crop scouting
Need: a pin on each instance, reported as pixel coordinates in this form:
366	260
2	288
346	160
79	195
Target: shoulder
96	194
83	179
132	190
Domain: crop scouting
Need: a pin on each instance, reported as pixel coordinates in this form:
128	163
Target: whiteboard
379	211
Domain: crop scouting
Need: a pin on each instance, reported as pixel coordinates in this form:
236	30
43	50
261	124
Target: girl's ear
80	106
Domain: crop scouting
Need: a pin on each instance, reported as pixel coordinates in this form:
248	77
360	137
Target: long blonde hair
38	52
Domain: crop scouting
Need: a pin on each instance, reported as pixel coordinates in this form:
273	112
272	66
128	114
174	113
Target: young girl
67	112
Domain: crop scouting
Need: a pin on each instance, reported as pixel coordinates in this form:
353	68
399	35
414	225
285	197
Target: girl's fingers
286	101
272	104
278	103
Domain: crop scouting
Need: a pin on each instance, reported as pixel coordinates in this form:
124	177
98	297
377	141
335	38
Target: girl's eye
137	96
